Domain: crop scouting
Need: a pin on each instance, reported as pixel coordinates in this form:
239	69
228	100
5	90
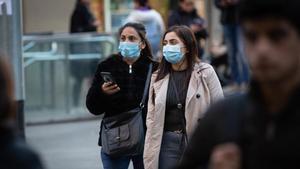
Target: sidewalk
70	145
58	116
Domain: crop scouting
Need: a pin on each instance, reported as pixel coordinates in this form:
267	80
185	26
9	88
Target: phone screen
107	77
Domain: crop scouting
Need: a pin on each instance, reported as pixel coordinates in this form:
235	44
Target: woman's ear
143	45
184	50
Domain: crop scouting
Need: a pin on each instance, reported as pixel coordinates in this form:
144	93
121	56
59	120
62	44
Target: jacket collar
256	98
162	85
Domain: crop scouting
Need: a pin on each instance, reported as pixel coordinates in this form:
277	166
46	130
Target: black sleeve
173	19
96	100
220	125
218	4
19	155
81	21
76	21
32	162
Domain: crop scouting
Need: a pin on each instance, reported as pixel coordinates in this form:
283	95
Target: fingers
225	156
106	84
113	91
110	88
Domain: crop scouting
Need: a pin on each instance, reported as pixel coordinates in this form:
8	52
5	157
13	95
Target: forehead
266	25
129	31
187	2
171	36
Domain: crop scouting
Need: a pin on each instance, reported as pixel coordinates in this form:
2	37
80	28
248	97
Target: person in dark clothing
82	21
232	35
14	154
187	15
259	129
129	68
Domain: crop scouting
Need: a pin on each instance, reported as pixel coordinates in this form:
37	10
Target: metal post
107	16
11	45
67	77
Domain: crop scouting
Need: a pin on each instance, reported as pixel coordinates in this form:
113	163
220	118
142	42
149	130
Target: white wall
47	15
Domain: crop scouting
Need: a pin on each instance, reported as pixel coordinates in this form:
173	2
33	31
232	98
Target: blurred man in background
14	153
260	129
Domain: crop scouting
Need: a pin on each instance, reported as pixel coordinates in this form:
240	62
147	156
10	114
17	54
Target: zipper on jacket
130	69
270	131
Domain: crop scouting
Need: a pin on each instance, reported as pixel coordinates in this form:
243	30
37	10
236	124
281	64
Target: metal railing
47	60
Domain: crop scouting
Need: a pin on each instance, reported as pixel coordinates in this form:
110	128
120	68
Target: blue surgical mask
130	50
172	53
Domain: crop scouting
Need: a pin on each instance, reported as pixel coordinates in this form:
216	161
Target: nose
263	46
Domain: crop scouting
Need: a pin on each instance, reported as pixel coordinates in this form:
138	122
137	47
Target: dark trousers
236	56
121	162
172	148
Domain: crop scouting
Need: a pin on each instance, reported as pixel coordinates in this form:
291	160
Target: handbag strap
142	104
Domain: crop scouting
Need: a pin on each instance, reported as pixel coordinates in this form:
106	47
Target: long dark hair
7	105
187	37
141	30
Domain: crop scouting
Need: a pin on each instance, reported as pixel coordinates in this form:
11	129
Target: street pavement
67	145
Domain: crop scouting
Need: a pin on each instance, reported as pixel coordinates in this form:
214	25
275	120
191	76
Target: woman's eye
173	43
122	39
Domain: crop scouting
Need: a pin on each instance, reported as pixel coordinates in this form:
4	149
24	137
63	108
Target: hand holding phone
109	87
107	77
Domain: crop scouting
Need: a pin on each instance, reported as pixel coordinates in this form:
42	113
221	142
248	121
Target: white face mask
130	50
172	53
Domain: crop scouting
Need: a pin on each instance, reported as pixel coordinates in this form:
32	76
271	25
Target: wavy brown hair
187	37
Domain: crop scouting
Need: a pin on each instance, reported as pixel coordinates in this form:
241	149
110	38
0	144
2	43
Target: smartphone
107	77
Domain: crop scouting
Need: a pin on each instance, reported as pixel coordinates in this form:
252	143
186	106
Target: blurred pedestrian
259	129
123	92
153	22
187	15
233	39
14	154
82	20
180	91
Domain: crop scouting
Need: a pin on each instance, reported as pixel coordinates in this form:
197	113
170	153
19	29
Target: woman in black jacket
14	153
129	69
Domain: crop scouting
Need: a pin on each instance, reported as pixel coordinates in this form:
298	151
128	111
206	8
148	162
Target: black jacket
266	141
180	17
229	14
131	85
14	154
82	20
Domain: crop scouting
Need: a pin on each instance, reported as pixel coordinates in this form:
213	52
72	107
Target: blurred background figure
153	22
233	40
82	20
260	128
14	152
219	60
187	15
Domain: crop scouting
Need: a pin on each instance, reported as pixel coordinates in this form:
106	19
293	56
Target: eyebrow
170	40
128	35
